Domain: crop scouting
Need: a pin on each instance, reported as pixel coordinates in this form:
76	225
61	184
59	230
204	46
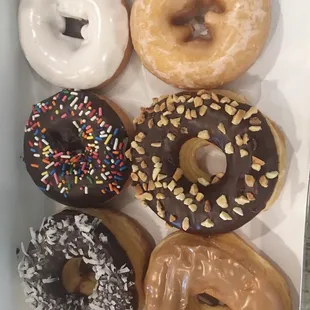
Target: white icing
70	62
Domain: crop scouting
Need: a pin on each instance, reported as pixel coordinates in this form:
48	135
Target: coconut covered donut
75	44
82	261
212	273
167	38
169	180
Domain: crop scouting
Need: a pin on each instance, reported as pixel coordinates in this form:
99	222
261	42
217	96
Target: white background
278	84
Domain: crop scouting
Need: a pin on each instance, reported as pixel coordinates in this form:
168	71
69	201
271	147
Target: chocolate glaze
49	264
261	144
58	125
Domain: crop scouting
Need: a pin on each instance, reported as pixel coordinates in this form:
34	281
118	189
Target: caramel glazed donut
170	47
166	174
75	44
78	261
219	272
74	148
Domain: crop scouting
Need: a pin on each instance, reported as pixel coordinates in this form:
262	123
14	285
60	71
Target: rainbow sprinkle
101	166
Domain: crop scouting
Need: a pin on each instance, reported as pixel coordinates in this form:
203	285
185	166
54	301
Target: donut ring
165	170
74	255
92	60
183	266
163	39
74	148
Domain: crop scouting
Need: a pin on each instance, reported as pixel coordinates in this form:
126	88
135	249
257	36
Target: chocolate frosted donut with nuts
167	176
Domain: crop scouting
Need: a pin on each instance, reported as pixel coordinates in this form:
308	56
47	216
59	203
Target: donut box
277	85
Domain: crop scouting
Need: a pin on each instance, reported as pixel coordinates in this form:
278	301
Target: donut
74	148
204	273
75	44
165	35
168	179
80	261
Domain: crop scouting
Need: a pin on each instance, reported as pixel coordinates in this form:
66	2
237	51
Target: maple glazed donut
220	272
75	44
86	261
74	148
167	176
165	39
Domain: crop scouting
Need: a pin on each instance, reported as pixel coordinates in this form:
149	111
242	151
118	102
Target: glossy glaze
185	266
69	62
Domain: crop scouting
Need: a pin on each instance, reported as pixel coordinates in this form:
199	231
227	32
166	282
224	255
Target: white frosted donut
70	62
164	38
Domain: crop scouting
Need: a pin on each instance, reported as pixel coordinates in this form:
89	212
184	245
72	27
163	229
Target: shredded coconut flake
73	237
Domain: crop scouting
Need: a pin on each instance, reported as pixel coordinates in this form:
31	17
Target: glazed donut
67	55
164	39
169	180
78	261
183	267
74	148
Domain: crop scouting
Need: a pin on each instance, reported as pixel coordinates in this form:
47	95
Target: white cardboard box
278	84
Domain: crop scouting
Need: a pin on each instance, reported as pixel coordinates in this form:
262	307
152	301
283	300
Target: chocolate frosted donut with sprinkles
79	261
74	148
169	179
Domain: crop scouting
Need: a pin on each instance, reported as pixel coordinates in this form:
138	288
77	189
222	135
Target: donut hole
65	138
78	277
75	28
212	160
202	161
195	17
209	300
